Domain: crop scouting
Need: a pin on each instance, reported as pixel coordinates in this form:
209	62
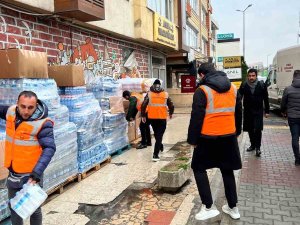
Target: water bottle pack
87	139
103	87
104	104
113	120
27	200
46	90
60	116
115	132
113	145
4	209
65	133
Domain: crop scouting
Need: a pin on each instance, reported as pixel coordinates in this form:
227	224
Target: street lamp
243	11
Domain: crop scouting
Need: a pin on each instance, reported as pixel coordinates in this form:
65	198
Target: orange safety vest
219	114
22	149
157	106
140	99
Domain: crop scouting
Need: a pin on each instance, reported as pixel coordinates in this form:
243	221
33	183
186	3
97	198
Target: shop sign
237	84
232	62
188	83
225	36
164	31
233	73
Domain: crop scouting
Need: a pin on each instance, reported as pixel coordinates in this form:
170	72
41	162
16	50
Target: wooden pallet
60	188
94	169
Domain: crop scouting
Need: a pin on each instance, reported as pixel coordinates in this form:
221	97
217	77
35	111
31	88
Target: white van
281	75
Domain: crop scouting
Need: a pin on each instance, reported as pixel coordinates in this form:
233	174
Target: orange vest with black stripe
219	114
22	149
140	99
157	106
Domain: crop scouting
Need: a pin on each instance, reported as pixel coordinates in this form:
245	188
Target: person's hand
170	116
144	119
131	119
31	181
267	115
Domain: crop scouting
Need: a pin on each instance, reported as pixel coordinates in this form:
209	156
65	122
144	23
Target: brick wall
65	44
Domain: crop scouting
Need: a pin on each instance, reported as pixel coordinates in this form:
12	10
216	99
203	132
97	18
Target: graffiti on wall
98	62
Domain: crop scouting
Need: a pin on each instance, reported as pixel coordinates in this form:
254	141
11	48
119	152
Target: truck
281	73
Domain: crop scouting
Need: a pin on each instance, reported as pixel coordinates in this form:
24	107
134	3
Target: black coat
221	151
254	105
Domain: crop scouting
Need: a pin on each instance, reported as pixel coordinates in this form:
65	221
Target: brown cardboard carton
138	120
68	75
116	105
19	63
126	106
131	131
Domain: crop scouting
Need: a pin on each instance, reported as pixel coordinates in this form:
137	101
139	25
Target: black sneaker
258	152
250	149
149	144
297	162
155	158
141	146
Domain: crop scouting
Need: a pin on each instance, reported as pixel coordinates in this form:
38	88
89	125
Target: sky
270	25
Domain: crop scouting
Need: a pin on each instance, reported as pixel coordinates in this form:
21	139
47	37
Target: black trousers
145	132
255	138
295	132
204	188
159	127
35	218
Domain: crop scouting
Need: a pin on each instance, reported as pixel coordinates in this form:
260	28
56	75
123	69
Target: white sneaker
233	213
205	213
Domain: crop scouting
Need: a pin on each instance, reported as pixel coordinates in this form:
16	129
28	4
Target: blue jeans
294	124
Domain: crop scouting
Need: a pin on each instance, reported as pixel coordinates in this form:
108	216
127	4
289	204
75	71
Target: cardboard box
131	131
126	106
116	105
138	120
68	75
19	63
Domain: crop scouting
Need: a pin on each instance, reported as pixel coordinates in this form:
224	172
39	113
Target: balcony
82	10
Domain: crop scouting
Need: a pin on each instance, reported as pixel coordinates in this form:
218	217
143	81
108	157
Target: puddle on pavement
134	204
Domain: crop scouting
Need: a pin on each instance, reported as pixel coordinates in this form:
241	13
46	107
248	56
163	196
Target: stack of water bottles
4	209
86	113
64	163
115	129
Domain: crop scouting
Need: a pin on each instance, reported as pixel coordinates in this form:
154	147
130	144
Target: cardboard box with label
131	131
68	75
19	63
116	105
138	120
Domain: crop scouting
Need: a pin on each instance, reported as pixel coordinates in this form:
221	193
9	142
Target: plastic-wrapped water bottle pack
4	209
46	90
113	120
113	145
60	116
115	132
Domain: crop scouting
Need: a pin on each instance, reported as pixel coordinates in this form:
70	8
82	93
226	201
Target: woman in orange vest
29	146
215	123
157	104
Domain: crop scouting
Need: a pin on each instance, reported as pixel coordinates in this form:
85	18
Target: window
204	46
191	37
163	7
203	16
195	5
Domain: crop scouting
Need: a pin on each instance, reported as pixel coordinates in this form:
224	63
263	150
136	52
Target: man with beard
214	126
255	98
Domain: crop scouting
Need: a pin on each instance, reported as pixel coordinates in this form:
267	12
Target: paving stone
291	219
254	214
281	212
272	217
263	210
263	221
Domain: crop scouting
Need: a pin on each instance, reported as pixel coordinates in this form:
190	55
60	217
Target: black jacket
214	151
146	102
132	110
45	136
290	103
254	105
220	83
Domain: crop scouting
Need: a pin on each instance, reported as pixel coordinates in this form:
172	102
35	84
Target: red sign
188	83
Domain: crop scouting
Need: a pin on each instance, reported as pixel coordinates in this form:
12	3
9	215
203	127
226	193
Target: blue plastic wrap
4	209
113	145
113	120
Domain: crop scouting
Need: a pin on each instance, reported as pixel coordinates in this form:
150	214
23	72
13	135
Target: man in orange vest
135	103
157	103
29	146
215	123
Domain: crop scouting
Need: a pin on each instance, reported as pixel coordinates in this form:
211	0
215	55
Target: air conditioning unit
82	10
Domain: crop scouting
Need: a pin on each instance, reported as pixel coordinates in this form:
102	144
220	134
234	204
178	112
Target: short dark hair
252	71
126	93
206	68
28	94
296	74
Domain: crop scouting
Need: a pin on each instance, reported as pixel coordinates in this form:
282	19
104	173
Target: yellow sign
232	62
164	31
237	84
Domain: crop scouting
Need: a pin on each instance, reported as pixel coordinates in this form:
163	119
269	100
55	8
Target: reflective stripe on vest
219	115
157	106
22	149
